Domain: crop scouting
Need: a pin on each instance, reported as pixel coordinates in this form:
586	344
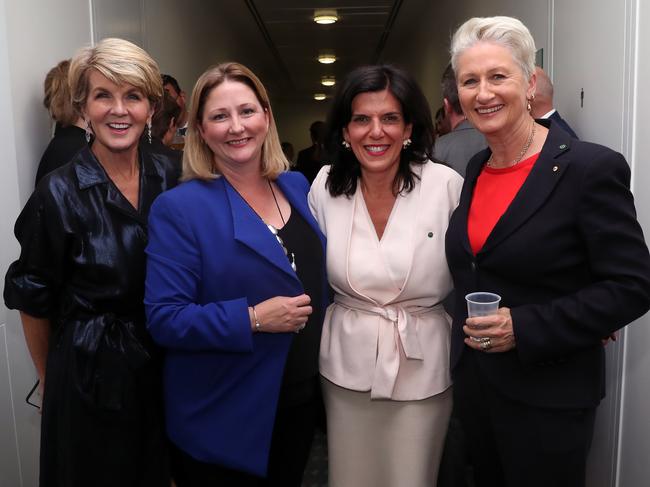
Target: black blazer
568	257
564	125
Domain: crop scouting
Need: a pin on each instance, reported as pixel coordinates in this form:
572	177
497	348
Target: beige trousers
384	443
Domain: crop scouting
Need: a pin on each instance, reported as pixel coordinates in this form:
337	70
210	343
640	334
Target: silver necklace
516	161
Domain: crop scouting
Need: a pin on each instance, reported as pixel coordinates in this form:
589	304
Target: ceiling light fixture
326	57
328	81
319	96
325	16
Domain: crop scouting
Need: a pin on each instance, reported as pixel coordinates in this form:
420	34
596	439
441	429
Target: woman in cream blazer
384	358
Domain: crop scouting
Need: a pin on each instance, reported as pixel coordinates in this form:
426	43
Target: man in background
171	86
542	104
458	146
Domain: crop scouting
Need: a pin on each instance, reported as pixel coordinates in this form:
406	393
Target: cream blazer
386	331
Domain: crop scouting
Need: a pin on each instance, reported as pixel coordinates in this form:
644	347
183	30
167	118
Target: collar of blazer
250	230
545	175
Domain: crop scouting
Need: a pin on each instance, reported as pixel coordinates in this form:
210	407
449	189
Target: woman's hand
282	314
492	333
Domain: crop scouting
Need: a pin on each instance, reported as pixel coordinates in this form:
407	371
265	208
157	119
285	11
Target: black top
67	141
301	370
157	147
82	266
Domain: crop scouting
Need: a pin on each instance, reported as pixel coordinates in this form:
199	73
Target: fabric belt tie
396	330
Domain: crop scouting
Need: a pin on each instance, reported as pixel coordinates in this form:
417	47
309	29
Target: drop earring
406	143
346	144
149	131
88	132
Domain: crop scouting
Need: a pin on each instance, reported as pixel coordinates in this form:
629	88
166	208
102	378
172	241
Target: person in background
173	89
458	146
441	122
69	134
288	151
311	159
79	283
384	208
542	103
235	293
163	130
548	223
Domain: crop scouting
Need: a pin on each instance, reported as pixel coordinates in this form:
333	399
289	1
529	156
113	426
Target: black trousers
512	444
293	432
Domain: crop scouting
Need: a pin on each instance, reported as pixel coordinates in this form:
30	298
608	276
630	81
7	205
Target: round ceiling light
319	96
325	16
328	81
326	57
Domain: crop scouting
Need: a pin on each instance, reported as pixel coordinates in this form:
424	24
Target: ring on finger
486	344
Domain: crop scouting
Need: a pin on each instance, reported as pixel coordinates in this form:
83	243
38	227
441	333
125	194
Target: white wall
634	453
34	36
598	60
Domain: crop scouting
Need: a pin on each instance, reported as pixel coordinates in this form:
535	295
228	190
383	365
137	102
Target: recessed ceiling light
326	57
319	96
328	81
325	16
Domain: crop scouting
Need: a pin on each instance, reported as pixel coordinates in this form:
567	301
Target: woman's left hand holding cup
492	333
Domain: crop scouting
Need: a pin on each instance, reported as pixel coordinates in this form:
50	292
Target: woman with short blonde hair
79	283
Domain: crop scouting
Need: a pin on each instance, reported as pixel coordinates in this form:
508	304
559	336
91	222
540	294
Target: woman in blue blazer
548	223
235	292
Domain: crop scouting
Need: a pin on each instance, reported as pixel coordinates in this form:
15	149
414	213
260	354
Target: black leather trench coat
82	266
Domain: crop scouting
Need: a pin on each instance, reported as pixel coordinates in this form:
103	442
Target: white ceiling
292	39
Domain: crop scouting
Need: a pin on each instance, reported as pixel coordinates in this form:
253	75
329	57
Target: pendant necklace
274	231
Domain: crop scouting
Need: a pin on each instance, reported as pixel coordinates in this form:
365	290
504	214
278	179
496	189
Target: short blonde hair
121	62
56	91
507	31
198	158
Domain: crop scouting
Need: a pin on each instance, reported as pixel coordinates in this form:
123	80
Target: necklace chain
290	255
524	149
276	202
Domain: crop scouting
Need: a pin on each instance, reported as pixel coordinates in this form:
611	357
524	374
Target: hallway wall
34	36
634	467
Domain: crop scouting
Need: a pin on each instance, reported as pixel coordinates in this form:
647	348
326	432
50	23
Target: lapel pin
563	146
555	168
430	234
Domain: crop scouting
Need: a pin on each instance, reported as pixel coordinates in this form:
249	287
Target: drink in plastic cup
482	304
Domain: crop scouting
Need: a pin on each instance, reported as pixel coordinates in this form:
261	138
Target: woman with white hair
548	223
79	283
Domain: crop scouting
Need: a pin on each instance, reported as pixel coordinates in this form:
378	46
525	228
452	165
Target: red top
495	189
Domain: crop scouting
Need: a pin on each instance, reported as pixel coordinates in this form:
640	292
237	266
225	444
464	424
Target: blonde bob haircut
506	31
198	158
119	61
56	91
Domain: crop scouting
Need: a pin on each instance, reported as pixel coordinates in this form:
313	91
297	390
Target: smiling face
234	125
492	89
377	130
117	113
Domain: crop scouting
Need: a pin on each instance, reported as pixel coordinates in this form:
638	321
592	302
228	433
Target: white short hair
507	31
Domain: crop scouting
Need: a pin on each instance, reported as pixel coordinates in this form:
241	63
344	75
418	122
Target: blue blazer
569	258
209	257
